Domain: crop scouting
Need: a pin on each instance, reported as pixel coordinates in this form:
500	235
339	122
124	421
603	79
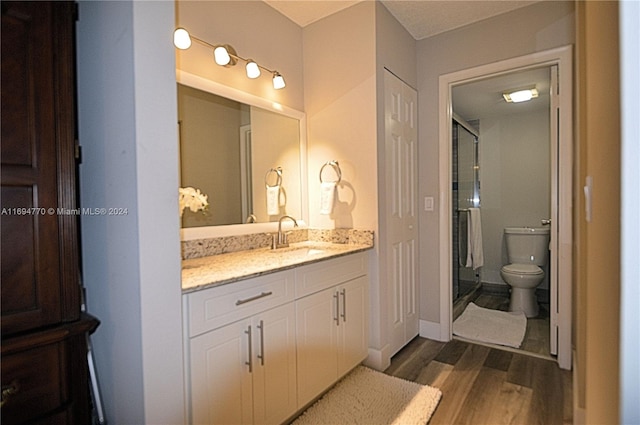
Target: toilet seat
522	269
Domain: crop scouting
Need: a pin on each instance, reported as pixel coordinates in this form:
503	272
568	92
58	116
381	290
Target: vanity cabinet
262	348
243	371
332	324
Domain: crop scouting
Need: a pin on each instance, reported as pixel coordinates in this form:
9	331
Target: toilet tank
527	245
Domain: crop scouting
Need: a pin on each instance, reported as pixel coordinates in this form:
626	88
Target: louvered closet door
401	134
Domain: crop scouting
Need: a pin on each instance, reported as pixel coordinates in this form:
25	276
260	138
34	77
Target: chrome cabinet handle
250	362
344	305
545	222
337	316
261	355
256	297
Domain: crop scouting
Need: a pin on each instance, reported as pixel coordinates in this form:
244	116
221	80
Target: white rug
368	397
492	326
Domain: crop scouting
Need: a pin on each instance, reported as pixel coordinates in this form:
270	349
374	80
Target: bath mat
492	326
368	397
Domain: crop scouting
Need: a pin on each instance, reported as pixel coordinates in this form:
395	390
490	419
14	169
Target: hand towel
327	195
273	200
475	255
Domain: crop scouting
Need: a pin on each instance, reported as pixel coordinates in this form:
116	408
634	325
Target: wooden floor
483	385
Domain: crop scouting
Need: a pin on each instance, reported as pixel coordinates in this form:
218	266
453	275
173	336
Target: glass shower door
466	194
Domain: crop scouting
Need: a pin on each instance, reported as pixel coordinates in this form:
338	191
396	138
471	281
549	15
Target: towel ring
334	164
278	172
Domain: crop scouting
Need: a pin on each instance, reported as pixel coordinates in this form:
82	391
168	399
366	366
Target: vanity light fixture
520	95
225	55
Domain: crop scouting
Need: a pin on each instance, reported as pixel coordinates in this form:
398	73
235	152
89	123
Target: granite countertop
205	272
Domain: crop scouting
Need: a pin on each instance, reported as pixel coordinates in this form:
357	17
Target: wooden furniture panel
44	369
39	246
45	375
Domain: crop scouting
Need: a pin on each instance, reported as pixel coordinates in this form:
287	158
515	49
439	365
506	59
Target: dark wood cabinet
44	333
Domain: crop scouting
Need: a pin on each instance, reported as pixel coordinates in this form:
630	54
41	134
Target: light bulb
221	56
521	96
181	39
278	81
253	70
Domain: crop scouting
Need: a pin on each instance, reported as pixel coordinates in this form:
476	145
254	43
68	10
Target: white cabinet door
317	334
353	332
221	388
332	335
274	367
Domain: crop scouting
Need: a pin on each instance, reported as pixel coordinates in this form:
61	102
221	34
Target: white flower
192	198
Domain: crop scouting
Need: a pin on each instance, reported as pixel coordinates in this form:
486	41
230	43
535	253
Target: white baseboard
378	359
432	330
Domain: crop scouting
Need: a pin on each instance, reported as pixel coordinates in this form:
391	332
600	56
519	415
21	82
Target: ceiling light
278	81
520	95
253	70
225	55
181	39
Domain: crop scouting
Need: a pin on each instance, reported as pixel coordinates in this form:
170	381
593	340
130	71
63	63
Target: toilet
527	251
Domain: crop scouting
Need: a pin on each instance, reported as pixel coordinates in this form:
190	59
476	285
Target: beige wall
541	26
340	84
598	258
256	31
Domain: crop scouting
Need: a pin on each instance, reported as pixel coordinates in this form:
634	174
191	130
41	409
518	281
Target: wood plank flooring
483	385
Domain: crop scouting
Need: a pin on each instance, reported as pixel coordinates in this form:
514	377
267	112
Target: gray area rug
368	397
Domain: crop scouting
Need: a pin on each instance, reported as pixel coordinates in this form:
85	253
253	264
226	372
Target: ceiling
421	18
483	98
426	18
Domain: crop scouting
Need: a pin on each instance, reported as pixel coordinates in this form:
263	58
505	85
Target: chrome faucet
281	241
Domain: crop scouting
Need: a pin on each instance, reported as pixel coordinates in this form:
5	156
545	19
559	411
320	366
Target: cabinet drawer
212	308
34	378
324	274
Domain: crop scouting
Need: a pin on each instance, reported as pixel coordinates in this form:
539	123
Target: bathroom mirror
247	154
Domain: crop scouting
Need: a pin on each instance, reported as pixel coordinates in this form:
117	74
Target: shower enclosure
466	194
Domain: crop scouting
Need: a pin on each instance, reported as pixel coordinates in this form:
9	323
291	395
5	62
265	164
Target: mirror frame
206	232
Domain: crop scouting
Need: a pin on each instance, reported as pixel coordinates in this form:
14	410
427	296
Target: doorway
559	272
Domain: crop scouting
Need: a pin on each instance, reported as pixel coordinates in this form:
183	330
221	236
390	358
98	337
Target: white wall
539	27
131	263
630	298
515	181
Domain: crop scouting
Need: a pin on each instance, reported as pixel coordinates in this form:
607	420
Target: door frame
562	57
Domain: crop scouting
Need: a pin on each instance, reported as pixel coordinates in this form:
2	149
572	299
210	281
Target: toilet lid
522	269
